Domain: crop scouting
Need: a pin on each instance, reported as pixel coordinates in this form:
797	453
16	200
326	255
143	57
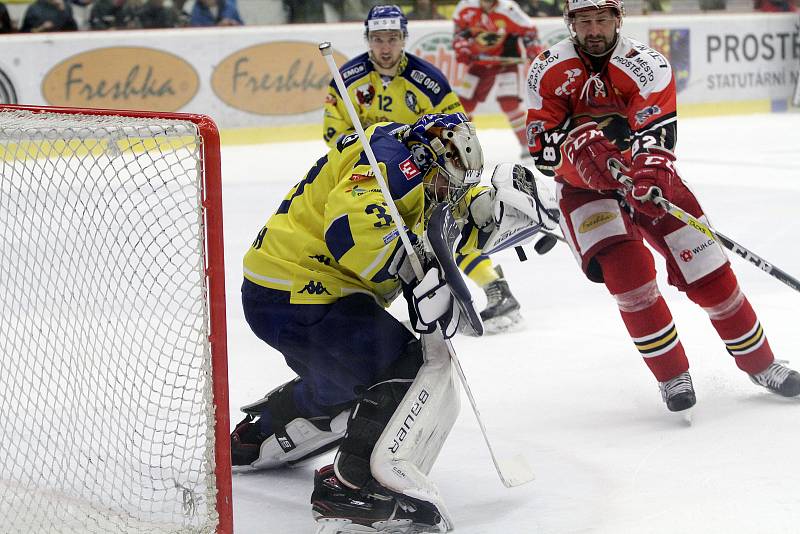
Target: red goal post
113	333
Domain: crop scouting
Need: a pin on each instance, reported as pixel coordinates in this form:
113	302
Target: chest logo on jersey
568	87
365	93
411	102
426	81
596	220
408	168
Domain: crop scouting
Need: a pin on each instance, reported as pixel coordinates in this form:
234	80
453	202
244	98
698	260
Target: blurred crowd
70	15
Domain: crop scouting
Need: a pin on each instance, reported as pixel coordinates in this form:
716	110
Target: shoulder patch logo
643	114
409	168
354	70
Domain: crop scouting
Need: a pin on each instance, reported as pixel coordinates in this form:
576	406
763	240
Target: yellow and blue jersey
418	88
333	235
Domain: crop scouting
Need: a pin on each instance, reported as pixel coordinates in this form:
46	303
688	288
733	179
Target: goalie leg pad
414	436
288	437
301	440
370	415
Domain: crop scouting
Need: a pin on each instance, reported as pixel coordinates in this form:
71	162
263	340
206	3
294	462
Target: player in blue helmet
388	17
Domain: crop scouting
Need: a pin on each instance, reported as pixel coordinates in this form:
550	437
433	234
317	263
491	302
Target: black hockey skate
338	509
678	392
502	309
779	379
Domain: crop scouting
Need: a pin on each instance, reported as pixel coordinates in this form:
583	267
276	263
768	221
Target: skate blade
511	322
346	526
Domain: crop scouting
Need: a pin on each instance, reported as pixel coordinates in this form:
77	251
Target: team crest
674	45
643	114
534	128
365	94
411	102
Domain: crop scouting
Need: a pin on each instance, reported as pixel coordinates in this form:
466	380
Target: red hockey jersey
503	32
631	97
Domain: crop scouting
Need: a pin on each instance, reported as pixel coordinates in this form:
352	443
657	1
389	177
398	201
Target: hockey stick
511	472
682	215
501	59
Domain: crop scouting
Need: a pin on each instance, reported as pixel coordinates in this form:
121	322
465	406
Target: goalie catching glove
522	206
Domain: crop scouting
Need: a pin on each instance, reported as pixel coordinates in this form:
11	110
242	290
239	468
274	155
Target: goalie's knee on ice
275	432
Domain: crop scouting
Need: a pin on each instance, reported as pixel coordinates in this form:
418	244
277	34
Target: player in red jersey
494	38
599	96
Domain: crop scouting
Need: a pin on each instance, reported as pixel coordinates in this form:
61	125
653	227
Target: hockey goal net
113	402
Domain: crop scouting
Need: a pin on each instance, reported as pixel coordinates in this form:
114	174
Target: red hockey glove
586	152
653	173
462	47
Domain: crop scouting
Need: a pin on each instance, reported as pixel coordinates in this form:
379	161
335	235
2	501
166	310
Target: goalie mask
447	149
599	35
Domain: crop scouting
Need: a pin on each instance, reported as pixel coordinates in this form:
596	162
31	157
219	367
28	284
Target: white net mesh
105	406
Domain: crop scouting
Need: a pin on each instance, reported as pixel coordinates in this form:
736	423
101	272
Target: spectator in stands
302	11
112	15
775	6
424	10
6	26
215	13
48	16
541	8
154	14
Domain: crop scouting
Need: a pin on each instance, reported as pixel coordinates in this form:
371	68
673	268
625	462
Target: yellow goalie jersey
333	235
417	89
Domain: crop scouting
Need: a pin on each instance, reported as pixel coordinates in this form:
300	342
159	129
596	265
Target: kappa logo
314	288
567	88
408	168
595	221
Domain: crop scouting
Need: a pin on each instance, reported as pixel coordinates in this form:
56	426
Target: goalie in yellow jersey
317	279
386	83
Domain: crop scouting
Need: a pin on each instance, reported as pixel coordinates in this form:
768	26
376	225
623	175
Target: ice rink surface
570	391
